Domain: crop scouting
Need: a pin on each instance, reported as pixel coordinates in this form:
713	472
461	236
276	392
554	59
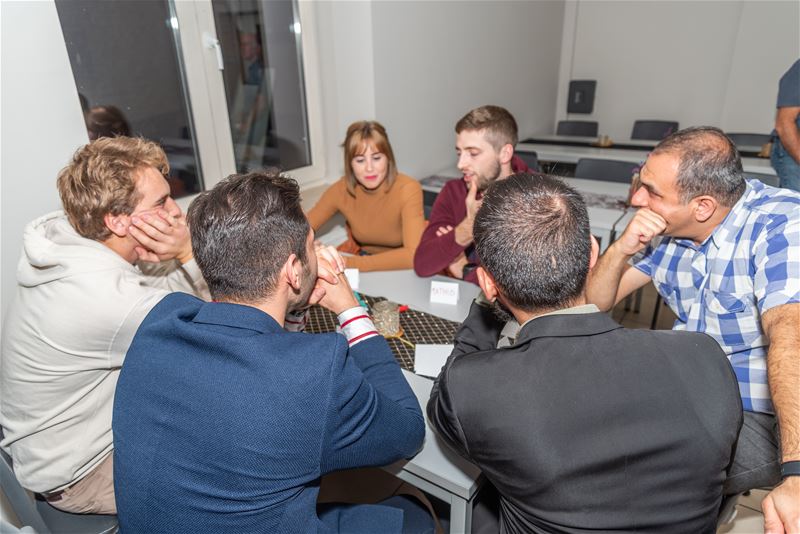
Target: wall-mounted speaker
581	96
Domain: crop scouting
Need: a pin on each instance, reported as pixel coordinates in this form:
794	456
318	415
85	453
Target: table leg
460	516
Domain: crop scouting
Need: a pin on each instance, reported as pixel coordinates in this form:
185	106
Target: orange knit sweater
386	223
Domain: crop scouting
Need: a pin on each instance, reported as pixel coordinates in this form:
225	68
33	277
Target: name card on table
429	359
352	277
444	292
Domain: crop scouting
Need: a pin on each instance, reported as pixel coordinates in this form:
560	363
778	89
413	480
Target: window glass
129	75
264	86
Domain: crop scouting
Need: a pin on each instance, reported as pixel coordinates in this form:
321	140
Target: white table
405	287
436	469
571	155
640	144
574	139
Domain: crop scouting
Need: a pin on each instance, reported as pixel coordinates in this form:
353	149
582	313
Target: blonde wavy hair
100	180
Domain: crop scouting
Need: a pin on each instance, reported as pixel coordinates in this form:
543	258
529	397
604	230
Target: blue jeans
787	168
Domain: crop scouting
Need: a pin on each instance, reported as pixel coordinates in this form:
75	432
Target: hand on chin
142	254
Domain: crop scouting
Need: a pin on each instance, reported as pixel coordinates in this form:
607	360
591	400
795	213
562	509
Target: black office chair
769	179
606	170
530	158
578	128
38	514
653	130
749	139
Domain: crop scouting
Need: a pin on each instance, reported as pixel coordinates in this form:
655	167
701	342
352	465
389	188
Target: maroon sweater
434	253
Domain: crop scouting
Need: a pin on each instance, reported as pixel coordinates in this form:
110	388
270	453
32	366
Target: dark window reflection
129	76
264	85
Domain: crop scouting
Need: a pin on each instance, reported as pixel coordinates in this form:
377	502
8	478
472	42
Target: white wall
436	60
715	63
347	73
767	44
42	123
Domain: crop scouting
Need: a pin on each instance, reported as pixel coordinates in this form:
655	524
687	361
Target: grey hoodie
77	307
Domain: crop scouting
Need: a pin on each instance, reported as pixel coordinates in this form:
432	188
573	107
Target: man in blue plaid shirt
724	253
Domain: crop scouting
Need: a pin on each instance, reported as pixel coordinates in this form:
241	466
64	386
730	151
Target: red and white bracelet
356	325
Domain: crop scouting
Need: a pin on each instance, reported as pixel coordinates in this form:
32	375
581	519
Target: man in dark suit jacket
224	421
581	425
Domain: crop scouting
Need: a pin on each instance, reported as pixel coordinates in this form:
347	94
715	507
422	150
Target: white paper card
444	292
429	359
352	277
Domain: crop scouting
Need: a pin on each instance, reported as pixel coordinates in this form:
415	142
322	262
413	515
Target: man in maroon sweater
485	140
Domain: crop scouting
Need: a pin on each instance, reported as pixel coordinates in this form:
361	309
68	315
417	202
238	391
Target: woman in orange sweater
383	208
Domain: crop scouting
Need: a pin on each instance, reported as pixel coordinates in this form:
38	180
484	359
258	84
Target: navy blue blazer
224	422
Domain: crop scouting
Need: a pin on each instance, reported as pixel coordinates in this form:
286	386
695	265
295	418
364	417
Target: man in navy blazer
224	421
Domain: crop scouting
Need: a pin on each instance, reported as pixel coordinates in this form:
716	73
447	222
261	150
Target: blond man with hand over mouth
87	278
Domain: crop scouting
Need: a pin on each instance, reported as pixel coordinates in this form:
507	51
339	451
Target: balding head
709	164
532	237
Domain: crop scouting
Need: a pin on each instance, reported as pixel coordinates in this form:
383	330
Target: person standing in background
785	155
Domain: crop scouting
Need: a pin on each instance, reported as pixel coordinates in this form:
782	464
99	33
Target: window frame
196	31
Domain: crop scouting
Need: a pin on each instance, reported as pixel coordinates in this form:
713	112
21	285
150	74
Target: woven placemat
418	327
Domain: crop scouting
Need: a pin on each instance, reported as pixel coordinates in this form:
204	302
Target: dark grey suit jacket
584	425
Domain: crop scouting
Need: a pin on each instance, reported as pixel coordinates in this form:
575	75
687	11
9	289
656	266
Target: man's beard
501	312
484	181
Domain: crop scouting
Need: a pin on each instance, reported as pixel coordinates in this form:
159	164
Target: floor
748	518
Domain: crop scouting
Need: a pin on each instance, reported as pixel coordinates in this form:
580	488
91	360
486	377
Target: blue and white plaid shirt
749	264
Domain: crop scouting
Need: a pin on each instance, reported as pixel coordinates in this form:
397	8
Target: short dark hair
243	231
709	164
532	236
499	124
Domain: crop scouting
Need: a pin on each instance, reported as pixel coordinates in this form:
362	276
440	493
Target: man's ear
704	207
292	271
506	153
117	224
487	284
595	253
